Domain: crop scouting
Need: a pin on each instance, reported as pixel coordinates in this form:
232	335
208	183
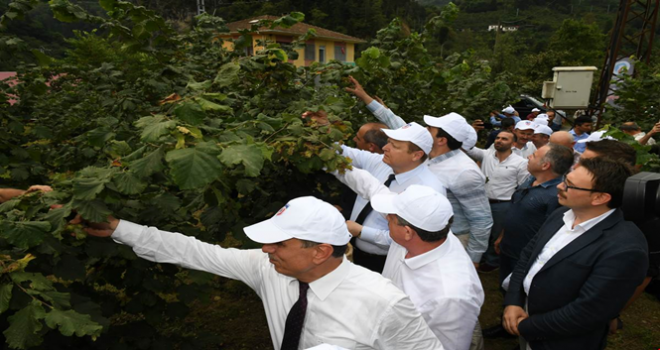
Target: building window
322	53
340	52
310	52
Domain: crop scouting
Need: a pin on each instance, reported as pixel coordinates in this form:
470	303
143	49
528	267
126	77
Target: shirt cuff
127	232
369	234
373	106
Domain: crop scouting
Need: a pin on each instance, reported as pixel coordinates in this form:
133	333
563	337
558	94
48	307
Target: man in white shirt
504	172
524	131
464	181
632	129
401	165
425	259
311	294
582	266
430	264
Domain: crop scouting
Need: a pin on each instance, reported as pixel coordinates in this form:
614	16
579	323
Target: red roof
297	29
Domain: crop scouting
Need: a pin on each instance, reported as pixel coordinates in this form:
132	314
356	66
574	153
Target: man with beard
504	171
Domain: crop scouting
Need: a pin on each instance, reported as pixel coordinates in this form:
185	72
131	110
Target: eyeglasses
567	186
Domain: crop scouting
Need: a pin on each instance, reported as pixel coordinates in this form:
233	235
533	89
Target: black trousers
373	262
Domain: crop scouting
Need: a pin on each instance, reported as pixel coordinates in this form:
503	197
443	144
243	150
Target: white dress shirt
526	151
350	307
444	286
641	135
375	225
561	239
502	178
366	185
466	192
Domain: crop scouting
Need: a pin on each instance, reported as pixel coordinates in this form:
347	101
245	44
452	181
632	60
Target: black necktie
368	208
295	320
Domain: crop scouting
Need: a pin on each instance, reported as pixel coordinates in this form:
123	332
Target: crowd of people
431	211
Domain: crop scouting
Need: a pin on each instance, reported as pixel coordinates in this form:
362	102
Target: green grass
236	315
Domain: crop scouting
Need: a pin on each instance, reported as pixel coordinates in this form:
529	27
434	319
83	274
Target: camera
641	197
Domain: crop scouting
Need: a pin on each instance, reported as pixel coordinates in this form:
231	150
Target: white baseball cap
540	120
452	123
509	110
597	136
307	218
420	205
526	125
535	110
414	133
543	129
471	139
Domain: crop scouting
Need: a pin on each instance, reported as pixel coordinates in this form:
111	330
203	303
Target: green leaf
228	74
153	132
195	86
211	106
193	167
151	163
88	188
108	5
24	327
94	211
5	296
24	234
57	299
190	112
38	281
99	137
43	59
56	217
249	155
70	322
128	183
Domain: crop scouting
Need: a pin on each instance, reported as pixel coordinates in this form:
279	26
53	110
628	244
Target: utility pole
632	35
200	7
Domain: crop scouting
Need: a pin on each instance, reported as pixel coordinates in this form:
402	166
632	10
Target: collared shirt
351	306
530	207
579	147
375	236
640	135
495	120
444	286
465	188
526	151
561	239
502	178
466	192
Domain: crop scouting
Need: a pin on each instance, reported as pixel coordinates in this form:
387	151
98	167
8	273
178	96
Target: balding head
563	138
371	138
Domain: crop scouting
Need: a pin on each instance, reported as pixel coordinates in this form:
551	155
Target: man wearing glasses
531	204
582	266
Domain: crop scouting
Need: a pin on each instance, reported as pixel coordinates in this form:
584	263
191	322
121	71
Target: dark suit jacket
582	287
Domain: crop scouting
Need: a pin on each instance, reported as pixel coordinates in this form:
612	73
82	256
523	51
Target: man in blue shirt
508	112
581	130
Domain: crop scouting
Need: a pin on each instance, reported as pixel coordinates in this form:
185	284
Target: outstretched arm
159	246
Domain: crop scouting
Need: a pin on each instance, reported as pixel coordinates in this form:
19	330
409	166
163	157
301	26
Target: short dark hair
583	119
452	143
561	158
614	149
414	148
376	136
507	123
609	176
426	236
338	251
515	137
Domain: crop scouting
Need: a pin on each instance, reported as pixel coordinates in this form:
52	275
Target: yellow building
326	46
